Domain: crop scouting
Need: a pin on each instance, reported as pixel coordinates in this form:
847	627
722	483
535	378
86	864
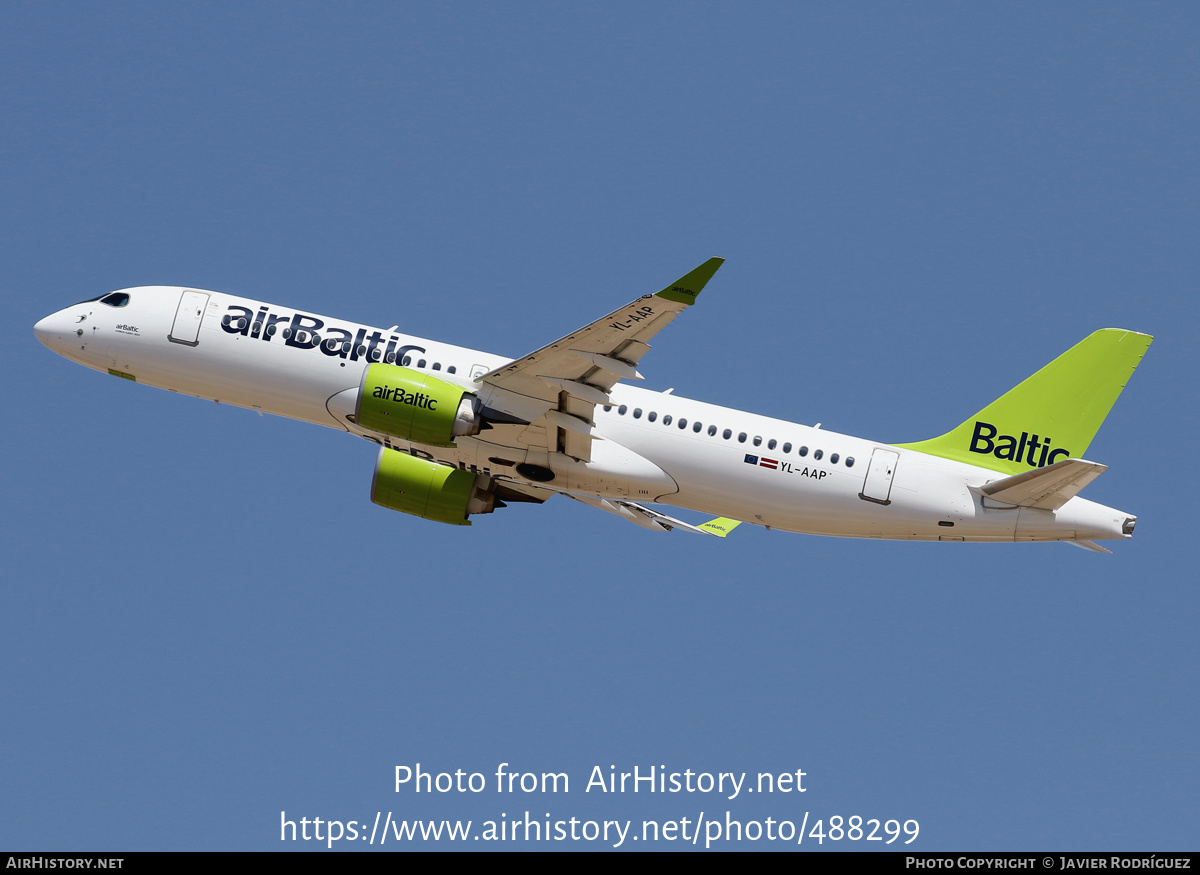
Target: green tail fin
1051	416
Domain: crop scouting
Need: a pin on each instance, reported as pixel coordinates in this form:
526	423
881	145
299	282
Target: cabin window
421	363
452	370
712	431
787	448
833	460
817	454
667	419
652	415
637	413
437	366
607	408
407	359
742	438
390	358
696	426
683	423
758	440
621	410
727	434
771	444
803	451
849	461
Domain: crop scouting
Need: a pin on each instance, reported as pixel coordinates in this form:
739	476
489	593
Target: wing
553	391
648	518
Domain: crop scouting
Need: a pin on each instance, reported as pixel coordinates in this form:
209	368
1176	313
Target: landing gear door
186	328
878	485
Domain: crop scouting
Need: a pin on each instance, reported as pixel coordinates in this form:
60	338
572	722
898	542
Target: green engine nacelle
426	489
415	406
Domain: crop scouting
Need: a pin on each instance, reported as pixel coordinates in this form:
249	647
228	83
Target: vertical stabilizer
1051	416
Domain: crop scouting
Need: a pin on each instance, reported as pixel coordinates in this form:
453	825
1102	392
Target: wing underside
552	392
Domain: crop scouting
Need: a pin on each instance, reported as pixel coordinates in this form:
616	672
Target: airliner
463	432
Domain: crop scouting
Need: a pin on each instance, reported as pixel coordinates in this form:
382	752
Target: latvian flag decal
763	462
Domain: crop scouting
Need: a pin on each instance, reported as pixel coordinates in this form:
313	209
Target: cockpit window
113	299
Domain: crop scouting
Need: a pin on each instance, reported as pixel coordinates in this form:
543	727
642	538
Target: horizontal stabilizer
1048	488
1089	545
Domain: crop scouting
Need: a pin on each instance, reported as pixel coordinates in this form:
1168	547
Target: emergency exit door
878	485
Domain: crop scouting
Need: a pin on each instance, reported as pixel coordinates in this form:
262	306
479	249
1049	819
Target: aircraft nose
54	329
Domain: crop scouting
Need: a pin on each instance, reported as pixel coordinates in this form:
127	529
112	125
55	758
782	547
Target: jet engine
415	406
430	490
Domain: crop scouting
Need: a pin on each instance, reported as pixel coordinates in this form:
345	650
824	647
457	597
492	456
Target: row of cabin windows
437	366
727	434
407	361
376	354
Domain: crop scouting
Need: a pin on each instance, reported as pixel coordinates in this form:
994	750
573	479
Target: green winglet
685	289
1051	416
720	527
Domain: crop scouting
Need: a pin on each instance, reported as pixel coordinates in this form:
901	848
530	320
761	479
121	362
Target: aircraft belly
613	471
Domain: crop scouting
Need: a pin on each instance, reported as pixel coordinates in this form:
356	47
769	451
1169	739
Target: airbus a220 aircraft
463	432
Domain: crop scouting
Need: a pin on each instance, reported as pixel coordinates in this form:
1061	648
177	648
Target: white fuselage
767	471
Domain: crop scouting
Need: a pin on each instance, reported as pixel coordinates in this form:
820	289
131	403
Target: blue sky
207	622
